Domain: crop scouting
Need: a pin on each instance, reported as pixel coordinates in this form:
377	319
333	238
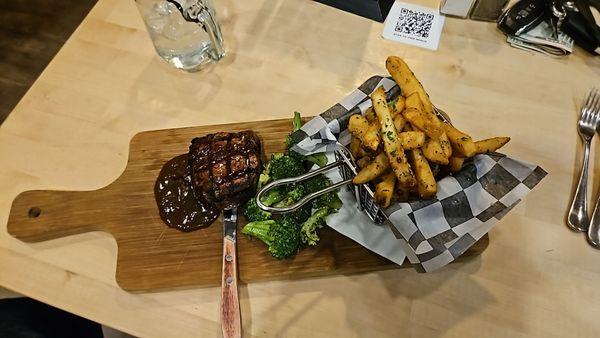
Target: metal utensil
578	218
594	228
231	323
348	169
297	179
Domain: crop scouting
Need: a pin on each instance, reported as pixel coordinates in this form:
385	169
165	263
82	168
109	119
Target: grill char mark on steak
225	167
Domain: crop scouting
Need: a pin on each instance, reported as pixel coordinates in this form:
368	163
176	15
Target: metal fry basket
348	170
362	192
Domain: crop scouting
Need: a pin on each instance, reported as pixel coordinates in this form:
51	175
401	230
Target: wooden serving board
152	256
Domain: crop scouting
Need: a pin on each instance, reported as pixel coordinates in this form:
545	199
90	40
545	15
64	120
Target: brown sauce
178	206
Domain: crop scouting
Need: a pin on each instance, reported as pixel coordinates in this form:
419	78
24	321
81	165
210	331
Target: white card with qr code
414	25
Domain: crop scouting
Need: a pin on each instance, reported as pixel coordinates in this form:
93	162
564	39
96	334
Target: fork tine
586	113
594	109
594	106
588	99
584	110
593	99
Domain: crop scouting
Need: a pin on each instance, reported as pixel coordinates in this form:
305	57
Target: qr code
414	23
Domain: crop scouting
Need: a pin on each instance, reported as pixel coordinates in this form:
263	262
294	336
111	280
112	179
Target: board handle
231	323
40	215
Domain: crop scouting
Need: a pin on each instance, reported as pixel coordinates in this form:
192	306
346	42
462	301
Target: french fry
373	133
412	139
404	77
370	115
385	189
455	163
399	122
373	170
414	113
396	106
460	141
400	104
401	194
359	127
445	144
426	185
363	161
490	145
427	121
391	142
433	152
413	101
355	147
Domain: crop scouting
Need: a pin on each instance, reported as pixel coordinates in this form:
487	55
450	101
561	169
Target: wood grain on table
71	132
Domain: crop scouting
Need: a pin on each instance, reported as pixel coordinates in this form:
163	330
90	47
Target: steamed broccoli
265	175
285	166
296	193
319	159
273	196
263	179
308	229
297	156
292	195
254	213
317	183
296	125
281	236
330	200
299	216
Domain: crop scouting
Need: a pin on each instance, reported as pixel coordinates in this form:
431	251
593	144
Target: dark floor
31	33
27	318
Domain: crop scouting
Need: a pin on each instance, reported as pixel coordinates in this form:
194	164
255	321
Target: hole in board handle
34	212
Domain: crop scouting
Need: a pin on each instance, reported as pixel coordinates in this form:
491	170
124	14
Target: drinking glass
184	32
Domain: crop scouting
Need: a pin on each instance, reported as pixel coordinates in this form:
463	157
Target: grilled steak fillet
225	167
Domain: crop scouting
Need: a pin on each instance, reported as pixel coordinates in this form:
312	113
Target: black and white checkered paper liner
468	204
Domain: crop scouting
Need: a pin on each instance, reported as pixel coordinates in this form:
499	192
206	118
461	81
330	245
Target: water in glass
184	44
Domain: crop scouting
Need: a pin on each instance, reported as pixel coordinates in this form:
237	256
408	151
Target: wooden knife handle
231	322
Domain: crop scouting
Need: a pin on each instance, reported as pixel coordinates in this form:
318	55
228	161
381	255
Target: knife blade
231	323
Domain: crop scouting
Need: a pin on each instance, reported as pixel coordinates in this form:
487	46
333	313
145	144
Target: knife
231	323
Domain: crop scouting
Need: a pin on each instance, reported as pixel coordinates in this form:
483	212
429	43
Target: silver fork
578	218
594	229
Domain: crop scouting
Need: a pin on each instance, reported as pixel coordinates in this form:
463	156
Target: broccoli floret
330	200
265	175
273	196
293	195
285	166
263	179
319	159
296	125
275	156
254	213
296	155
282	237
308	229
299	216
316	183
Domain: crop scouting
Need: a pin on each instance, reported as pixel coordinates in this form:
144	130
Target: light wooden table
71	131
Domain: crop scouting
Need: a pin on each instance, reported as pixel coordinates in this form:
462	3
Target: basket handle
305	199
